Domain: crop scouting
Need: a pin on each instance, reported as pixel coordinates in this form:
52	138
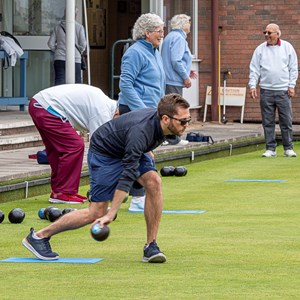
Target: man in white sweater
58	112
274	64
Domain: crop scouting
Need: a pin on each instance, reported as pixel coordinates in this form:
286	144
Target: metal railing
112	64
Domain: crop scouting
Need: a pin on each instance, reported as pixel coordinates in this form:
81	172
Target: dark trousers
269	102
172	89
60	72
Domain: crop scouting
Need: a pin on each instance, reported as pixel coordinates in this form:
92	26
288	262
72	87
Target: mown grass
246	245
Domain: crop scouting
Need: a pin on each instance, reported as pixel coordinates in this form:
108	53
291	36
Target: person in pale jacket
58	113
177	57
177	62
274	65
57	44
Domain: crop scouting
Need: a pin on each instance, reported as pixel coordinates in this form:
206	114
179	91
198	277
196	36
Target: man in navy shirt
118	159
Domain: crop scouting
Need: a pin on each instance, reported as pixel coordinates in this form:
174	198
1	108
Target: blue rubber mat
185	212
60	260
255	180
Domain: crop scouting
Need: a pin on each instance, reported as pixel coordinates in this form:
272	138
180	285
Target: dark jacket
128	137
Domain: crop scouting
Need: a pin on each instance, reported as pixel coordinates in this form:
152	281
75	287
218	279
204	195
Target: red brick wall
242	24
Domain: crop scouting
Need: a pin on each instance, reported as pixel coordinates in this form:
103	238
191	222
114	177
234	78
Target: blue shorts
105	173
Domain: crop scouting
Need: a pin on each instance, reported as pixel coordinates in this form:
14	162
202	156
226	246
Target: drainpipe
87	42
70	41
215	59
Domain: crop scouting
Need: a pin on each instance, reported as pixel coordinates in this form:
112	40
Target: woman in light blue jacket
142	80
176	55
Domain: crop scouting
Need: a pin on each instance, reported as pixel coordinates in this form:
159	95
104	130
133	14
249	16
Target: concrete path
16	164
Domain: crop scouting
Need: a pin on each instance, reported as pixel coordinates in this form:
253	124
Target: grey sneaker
152	254
290	153
39	247
269	153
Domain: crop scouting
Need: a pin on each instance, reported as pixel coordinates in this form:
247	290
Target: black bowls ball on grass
67	210
2	216
47	211
54	214
180	171
16	215
167	171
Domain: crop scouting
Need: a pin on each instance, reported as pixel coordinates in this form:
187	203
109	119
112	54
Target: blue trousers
60	72
105	173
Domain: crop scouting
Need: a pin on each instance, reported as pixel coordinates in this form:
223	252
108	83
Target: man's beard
173	130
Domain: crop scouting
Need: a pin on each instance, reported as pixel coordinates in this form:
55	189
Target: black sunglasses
269	32
182	121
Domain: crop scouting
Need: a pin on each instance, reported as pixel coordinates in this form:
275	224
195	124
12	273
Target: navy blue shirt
128	137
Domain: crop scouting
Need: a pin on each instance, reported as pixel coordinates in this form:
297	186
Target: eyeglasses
159	31
269	32
182	121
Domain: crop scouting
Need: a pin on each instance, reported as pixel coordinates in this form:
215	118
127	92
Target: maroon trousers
64	148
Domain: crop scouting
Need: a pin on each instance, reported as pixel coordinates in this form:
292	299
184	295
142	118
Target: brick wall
242	24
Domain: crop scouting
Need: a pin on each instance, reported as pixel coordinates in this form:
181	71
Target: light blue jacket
142	80
177	57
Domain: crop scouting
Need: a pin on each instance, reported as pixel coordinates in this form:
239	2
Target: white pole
156	6
70	41
224	96
87	42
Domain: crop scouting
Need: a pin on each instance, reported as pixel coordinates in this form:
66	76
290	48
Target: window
36	17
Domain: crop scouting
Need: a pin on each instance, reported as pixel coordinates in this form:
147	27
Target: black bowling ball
180	171
167	171
54	214
67	210
2	216
47	211
16	215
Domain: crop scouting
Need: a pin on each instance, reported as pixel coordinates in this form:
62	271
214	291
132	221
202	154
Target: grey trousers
170	89
269	102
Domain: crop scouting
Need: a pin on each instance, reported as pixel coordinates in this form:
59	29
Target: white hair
178	21
146	22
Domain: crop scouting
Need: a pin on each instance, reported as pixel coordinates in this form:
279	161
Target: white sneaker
290	153
165	143
269	153
183	142
137	204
